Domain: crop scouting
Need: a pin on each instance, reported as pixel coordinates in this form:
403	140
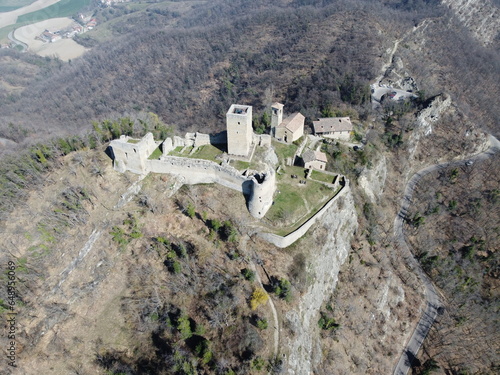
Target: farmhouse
333	127
288	130
314	160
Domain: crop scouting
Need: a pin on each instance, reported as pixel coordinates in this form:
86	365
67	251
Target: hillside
121	274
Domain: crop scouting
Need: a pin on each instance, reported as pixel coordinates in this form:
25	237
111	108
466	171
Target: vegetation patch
157	153
295	203
206	152
64	8
9	5
239	164
284	151
316	175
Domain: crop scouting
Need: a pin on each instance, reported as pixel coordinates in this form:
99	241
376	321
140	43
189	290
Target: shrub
203	351
262	323
248	274
190	211
282	288
229	232
216	225
259	297
184	326
258	364
327	323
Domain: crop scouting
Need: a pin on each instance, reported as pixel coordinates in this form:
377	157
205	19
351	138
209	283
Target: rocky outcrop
331	240
430	114
481	17
372	180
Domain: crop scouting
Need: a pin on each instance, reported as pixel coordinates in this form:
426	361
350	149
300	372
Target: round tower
261	194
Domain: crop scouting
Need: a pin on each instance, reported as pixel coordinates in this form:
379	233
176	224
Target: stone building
239	129
333	127
132	154
288	130
314	160
276	117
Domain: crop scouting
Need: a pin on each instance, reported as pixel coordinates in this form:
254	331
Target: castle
146	155
136	156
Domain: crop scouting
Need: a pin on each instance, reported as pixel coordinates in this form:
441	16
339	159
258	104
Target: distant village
81	25
84	24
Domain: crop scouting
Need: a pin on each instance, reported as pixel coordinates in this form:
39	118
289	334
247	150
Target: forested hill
308	54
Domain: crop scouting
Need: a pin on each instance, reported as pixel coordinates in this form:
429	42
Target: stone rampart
290	238
198	171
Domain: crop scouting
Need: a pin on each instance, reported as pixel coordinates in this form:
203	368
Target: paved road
433	300
17	42
379	91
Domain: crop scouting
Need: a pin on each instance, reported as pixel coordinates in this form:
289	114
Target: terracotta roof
293	122
277	105
310	155
332	124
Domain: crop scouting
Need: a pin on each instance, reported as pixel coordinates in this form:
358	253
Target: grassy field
207	152
316	175
295	203
284	151
156	154
8	5
64	8
239	165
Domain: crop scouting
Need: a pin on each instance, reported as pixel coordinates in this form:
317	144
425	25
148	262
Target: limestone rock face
481	17
432	112
332	242
372	180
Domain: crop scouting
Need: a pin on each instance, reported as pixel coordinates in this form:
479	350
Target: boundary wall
290	238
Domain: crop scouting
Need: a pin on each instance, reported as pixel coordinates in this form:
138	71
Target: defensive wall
290	238
198	171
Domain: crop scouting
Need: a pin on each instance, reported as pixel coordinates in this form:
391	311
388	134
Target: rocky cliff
334	233
481	17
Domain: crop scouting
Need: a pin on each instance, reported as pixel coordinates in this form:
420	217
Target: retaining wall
290	238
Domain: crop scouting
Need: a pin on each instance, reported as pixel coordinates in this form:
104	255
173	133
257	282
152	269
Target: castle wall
197	171
290	238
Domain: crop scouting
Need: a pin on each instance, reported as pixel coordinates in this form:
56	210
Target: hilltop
121	273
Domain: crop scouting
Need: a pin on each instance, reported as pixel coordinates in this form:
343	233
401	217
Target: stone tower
262	192
276	117
239	129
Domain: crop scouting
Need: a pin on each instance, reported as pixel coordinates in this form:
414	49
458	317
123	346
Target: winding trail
434	303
